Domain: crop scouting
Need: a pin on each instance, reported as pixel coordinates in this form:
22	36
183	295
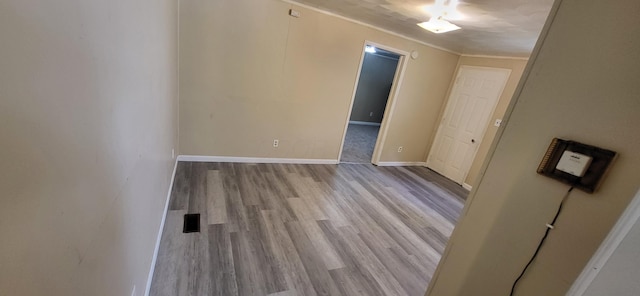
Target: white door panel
470	105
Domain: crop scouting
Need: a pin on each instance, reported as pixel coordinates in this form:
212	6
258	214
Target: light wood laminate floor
290	229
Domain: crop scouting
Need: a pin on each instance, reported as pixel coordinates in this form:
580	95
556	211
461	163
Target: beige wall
249	74
582	86
516	65
88	118
374	85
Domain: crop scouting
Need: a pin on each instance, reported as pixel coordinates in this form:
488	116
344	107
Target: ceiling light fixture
438	25
440	12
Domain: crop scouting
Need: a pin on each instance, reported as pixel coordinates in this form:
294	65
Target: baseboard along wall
202	158
364	123
164	217
401	163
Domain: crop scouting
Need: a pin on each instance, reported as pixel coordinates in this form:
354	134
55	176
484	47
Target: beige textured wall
582	86
516	66
374	85
88	118
249	74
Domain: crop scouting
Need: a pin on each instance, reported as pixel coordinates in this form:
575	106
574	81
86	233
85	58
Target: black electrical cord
546	233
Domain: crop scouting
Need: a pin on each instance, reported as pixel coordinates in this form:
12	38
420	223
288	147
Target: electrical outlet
400	149
294	13
276	143
173	153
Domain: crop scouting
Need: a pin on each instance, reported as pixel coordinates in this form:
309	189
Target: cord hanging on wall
580	165
546	233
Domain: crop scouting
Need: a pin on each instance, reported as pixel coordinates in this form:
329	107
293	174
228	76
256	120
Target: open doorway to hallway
376	78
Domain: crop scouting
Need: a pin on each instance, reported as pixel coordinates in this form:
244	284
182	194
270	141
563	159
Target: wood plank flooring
290	229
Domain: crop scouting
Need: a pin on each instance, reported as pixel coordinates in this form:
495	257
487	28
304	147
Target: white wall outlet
276	143
400	149
498	122
173	153
294	13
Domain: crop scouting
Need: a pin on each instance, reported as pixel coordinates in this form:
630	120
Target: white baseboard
203	158
364	123
164	217
467	186
401	163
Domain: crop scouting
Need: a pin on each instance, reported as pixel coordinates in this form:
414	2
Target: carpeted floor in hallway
359	143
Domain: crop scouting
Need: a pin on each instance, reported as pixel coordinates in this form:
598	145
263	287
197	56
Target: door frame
391	100
609	246
467	167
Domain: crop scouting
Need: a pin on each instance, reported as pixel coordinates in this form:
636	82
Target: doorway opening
379	72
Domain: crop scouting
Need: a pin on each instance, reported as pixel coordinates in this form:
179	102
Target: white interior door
473	98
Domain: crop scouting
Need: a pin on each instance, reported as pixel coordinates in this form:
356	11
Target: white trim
164	217
494	57
399	52
393	93
176	139
204	158
467	186
608	246
391	101
401	163
356	122
353	100
370	26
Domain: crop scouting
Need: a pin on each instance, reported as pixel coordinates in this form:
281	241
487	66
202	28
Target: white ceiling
489	27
